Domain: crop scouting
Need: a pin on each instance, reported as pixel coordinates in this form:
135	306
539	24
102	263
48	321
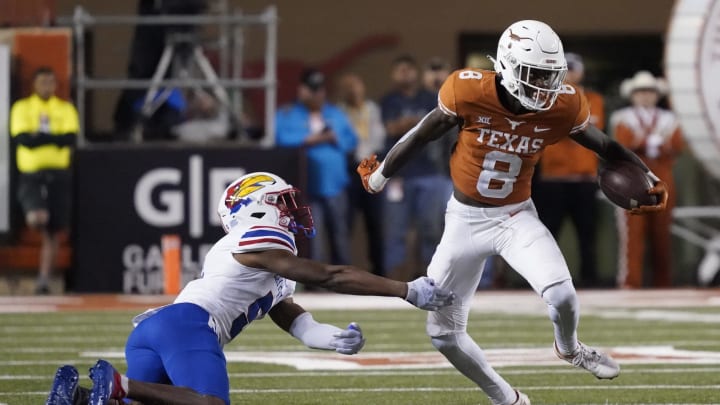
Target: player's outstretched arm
293	319
610	150
374	175
421	292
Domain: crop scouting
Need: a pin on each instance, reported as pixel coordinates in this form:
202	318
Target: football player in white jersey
506	118
174	354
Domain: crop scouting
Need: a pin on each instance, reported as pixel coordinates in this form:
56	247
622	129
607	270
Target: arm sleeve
67	139
35	140
29	140
313	334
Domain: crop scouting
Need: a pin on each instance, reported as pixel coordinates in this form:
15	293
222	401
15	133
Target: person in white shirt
174	354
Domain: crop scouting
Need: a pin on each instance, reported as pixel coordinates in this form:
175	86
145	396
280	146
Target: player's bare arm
345	279
341	279
285	312
374	174
611	150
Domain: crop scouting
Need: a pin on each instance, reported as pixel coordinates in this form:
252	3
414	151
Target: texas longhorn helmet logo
235	197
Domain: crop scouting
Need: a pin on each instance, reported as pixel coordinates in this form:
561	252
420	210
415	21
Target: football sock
564	312
468	358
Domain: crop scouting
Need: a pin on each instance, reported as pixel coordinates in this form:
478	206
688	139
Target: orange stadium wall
314	31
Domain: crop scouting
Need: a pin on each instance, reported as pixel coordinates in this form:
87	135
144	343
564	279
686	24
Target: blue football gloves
423	293
348	341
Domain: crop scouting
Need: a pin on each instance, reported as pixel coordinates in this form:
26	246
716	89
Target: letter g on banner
170	211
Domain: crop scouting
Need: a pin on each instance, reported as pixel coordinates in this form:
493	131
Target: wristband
652	176
377	181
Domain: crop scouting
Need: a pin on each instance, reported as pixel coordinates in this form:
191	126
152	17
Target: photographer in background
145	51
328	138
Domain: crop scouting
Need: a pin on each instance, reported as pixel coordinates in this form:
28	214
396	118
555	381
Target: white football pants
515	233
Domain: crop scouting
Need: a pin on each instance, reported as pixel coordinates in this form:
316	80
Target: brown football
626	185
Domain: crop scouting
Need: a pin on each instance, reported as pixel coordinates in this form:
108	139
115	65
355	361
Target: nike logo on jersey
537	129
509	142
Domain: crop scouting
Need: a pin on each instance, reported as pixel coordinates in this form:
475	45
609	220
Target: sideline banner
128	197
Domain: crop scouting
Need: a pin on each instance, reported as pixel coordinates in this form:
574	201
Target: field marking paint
418	360
657	315
516	302
439	389
383	373
455	389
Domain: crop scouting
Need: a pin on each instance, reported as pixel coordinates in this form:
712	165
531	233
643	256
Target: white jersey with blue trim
233	294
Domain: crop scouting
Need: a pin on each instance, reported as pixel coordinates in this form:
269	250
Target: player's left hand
661	191
349	341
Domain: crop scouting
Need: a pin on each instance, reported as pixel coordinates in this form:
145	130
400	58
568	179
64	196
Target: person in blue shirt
325	132
417	196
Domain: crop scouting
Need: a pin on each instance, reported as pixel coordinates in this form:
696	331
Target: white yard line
515	301
396	373
455	389
503	357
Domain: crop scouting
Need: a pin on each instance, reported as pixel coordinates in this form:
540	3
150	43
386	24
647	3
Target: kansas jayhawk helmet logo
266	199
236	196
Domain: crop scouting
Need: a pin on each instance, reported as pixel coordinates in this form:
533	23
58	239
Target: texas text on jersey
496	152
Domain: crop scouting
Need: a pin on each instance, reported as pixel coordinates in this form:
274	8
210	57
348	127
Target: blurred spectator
566	183
435	73
653	134
419	192
204	121
44	129
326	133
364	115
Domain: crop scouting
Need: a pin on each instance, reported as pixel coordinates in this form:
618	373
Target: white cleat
601	365
522	399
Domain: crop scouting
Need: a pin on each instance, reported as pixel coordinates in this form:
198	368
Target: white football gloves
348	341
423	294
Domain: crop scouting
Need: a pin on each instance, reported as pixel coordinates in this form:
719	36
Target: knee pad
445	343
561	296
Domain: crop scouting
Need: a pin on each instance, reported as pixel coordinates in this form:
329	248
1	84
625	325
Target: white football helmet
266	199
532	64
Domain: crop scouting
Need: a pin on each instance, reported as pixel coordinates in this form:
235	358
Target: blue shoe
106	383
64	387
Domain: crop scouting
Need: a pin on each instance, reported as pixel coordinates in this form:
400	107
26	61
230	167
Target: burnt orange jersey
497	150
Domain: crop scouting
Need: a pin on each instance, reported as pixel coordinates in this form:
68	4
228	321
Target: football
626	185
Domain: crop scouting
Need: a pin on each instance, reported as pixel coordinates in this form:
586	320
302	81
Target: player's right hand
423	293
661	191
365	169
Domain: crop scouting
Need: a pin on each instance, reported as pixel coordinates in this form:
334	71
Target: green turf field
33	345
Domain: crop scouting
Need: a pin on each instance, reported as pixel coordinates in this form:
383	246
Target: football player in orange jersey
506	118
